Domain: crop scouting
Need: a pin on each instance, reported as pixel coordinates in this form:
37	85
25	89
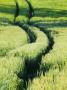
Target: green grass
58	53
39	46
23	7
54	64
16	64
52	8
7	11
23	12
22	19
53	80
11	37
49	4
51	16
22	51
9	80
13	64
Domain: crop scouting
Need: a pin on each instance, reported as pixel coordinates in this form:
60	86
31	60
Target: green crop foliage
52	80
49	4
9	80
7	11
11	37
14	65
23	7
10	67
54	59
27	51
52	8
54	65
22	19
22	11
33	45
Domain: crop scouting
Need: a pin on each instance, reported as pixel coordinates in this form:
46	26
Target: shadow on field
7	9
49	23
43	12
11	9
52	17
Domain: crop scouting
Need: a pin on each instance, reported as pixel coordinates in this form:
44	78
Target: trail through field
33	59
33	62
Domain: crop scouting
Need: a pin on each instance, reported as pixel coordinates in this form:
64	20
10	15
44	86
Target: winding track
31	53
41	43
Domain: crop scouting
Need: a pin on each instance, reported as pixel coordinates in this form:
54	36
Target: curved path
27	59
31	54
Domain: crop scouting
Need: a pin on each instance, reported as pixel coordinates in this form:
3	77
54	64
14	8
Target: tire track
25	26
31	73
48	33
